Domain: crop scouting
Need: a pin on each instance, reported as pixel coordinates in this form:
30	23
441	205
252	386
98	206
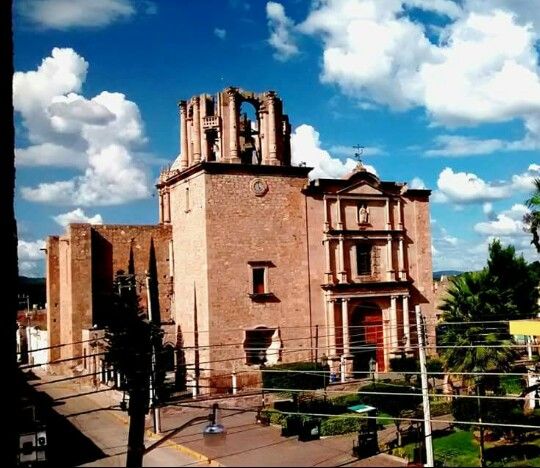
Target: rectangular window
259	286
363	259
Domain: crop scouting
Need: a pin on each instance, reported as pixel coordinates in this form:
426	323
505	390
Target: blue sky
442	94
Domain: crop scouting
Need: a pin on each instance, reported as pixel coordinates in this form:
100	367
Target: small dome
176	165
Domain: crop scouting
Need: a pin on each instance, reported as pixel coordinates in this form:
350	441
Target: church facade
254	263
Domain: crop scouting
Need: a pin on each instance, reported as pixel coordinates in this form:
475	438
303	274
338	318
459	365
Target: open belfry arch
256	263
213	128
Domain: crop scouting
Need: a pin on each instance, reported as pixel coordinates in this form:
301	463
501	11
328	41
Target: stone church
252	263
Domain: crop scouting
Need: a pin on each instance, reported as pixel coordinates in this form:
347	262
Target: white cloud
342	150
455	145
525	182
77	216
417	183
30	256
507	223
281	37
101	135
484	68
463	188
306	148
49	154
66	14
220	33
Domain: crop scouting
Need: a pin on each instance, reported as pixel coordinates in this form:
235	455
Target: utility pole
425	397
156	416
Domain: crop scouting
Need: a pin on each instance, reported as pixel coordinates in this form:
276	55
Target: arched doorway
366	337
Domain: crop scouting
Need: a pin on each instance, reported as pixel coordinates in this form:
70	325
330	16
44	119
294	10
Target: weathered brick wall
190	243
88	258
242	227
417	224
53	296
112	247
66	324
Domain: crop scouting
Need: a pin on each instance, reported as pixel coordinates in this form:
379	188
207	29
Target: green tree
532	219
402	404
472	298
511	276
131	337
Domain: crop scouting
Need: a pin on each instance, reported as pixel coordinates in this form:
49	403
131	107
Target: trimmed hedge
440	408
340	425
275	417
295	380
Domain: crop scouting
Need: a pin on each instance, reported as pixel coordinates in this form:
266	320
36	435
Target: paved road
85	428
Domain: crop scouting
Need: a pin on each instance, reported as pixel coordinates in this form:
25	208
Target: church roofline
231	168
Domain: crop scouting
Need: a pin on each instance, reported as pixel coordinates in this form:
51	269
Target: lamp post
478	381
211	433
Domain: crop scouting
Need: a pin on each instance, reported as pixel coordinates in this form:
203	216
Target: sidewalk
86	428
247	443
250	444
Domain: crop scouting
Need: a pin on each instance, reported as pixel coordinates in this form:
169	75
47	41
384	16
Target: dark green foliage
275	417
532	219
440	408
406	365
340	425
130	336
391	404
313	376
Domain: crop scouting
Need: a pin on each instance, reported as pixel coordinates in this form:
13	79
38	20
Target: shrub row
295	380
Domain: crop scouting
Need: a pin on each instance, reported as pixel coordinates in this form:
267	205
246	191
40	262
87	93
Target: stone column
233	127
167	206
401	260
406	325
342	274
196	130
399	214
326	220
331	329
183	135
272	147
161	208
393	325
386	340
387	214
328	276
389	262
345	323
338	217
203	136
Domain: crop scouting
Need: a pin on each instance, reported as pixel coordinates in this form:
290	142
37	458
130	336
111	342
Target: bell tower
213	129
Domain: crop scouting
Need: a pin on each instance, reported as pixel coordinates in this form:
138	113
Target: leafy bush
440	408
340	425
342	402
275	417
312	376
406	365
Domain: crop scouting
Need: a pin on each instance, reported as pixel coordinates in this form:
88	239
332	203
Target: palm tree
468	347
532	219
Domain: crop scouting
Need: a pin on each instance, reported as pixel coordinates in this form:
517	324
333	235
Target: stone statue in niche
363	215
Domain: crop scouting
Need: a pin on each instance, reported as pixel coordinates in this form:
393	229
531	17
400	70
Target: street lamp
477	381
212	432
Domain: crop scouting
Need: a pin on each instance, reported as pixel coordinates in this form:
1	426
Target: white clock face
259	187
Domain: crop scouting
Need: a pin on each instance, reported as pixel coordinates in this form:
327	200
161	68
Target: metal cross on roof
359	151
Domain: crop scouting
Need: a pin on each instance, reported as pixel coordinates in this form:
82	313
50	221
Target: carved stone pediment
361	188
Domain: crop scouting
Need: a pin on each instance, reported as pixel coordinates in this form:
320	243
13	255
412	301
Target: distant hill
34	288
437	274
